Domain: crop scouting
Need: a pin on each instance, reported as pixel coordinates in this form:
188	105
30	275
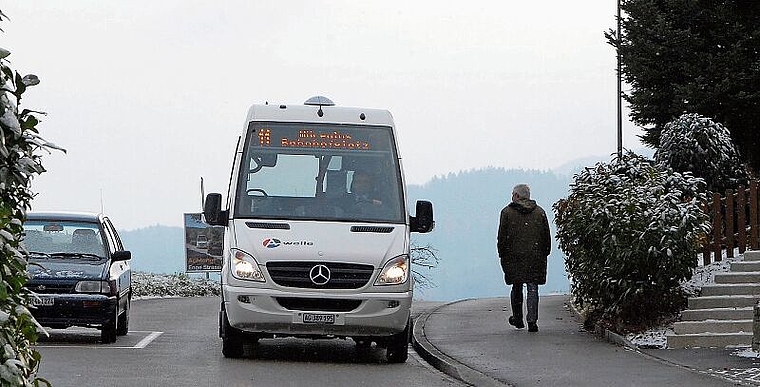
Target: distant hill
156	249
466	205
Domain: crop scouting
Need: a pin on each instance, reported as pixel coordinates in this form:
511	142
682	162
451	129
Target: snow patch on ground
653	338
149	285
746	352
704	275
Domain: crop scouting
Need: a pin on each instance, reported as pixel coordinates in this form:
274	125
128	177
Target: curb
606	334
443	362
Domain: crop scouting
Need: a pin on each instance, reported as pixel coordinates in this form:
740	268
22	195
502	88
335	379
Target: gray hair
522	191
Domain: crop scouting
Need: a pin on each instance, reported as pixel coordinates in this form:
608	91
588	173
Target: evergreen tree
693	56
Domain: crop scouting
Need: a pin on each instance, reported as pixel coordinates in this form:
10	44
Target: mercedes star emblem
319	274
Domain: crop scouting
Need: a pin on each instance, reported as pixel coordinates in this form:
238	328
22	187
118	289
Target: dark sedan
80	274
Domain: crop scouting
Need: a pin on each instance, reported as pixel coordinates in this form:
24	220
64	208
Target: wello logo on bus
271	243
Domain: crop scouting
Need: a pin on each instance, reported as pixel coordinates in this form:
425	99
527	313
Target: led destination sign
312	139
292	136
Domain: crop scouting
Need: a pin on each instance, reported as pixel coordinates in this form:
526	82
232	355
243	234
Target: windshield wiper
75	255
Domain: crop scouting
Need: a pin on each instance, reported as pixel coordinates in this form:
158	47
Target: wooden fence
734	219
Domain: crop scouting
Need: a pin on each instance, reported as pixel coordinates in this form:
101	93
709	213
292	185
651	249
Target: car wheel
108	330
232	339
398	346
122	327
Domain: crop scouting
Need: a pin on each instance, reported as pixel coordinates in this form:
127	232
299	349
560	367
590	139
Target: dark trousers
516	298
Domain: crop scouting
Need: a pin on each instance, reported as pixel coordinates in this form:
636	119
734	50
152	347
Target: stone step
712	326
745	266
746	313
706	340
738	278
711	302
731	289
753	255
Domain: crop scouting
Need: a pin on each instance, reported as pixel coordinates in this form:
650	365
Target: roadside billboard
203	245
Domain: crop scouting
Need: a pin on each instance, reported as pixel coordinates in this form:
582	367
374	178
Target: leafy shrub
19	163
629	230
697	144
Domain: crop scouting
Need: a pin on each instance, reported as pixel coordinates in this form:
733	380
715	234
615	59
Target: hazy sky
148	96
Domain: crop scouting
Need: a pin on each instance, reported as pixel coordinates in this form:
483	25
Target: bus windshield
320	172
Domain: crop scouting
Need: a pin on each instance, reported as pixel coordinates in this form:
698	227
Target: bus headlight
245	267
395	272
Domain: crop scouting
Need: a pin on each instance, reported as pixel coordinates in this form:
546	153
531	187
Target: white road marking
152	335
144	342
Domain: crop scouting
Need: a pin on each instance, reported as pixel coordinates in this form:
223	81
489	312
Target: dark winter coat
523	242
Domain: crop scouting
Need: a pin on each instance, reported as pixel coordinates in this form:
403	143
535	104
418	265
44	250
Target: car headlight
93	287
245	267
395	272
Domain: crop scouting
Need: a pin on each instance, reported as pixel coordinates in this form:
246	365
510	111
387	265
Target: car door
120	271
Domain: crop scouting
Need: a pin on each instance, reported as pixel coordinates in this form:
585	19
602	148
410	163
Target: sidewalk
471	340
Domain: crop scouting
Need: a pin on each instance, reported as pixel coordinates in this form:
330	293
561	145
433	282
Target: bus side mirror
423	221
212	210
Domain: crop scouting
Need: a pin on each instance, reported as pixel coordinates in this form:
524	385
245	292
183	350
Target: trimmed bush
699	145
629	230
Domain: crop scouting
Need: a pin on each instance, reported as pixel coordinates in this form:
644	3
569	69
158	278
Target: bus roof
319	114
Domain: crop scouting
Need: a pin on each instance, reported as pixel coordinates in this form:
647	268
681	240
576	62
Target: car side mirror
212	210
423	221
121	255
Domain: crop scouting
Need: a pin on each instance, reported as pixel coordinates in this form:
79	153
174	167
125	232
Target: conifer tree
693	56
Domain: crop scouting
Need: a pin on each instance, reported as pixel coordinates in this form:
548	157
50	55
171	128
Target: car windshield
320	172
63	239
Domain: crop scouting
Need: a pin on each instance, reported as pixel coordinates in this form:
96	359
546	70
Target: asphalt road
174	342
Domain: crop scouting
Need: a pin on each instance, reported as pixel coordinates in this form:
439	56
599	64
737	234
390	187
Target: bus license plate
314	318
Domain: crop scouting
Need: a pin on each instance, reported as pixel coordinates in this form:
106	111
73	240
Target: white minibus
317	239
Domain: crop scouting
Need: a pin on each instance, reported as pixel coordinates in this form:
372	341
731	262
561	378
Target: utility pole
202	195
619	90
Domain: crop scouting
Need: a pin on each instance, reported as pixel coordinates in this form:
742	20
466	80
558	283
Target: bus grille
318	304
342	275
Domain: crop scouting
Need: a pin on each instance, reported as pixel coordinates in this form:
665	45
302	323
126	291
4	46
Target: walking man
524	244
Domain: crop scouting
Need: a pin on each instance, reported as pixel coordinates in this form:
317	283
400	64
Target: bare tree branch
423	257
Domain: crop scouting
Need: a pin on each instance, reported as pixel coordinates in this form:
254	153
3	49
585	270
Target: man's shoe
516	323
532	327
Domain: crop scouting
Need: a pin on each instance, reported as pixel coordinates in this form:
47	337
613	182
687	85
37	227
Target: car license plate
315	318
43	301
